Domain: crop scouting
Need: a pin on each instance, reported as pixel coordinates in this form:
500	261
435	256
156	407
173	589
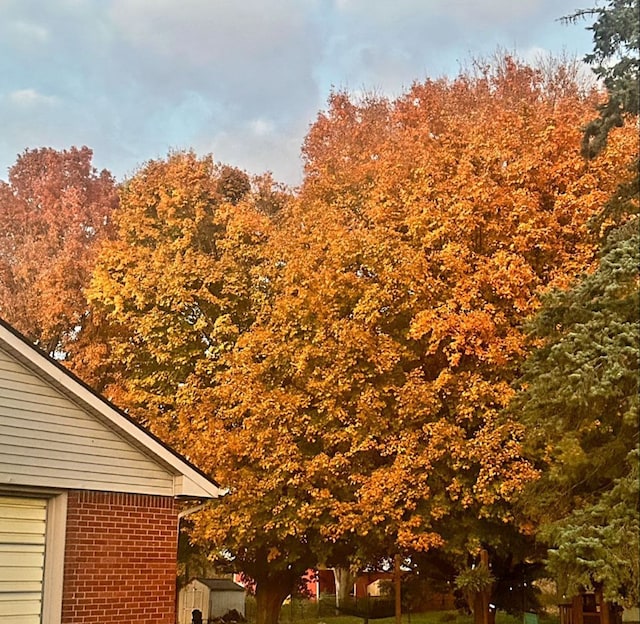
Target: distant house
322	581
88	501
591	608
376	585
212	597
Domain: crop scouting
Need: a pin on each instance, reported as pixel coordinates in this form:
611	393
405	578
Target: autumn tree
340	363
176	280
233	184
179	284
475	187
363	404
55	209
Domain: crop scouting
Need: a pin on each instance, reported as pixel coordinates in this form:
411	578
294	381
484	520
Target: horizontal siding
47	440
28	392
19	611
57	441
30	420
12	456
66	414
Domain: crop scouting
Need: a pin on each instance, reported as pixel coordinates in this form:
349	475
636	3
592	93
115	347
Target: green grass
306	612
433	617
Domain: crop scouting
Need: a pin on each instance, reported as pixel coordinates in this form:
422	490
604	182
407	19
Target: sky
241	79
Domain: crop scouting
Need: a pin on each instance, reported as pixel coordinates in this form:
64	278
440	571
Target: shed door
22	540
193	596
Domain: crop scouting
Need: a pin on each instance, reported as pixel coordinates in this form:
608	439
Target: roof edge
190	481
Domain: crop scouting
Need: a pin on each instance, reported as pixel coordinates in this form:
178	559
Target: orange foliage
54	211
176	283
341	364
366	398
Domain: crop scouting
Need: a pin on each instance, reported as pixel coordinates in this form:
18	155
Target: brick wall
120	559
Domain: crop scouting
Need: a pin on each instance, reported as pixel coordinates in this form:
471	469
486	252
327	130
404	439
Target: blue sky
242	79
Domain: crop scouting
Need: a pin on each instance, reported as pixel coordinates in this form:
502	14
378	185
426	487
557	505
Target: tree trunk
344	582
270	594
397	587
482	614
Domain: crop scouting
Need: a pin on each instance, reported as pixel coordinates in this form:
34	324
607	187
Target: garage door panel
16	530
17	509
21	555
22	545
22	587
21	574
21	619
19	605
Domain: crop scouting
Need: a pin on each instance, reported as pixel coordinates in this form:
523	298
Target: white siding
47	440
220	602
22	546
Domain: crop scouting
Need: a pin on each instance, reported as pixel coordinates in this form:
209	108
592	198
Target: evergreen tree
579	391
580	402
615	60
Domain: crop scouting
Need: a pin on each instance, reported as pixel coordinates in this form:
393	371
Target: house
89	501
590	608
322	581
213	597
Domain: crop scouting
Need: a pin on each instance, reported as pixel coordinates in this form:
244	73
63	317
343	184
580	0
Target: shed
214	597
89	500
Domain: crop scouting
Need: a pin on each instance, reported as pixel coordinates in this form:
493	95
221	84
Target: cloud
30	97
249	55
262	127
133	78
277	149
251	68
27	33
379	46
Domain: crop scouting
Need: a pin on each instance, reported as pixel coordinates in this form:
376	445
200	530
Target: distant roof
221	584
189	481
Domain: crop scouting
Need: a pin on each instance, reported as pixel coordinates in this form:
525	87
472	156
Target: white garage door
22	541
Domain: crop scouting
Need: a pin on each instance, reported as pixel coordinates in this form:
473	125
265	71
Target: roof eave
188	480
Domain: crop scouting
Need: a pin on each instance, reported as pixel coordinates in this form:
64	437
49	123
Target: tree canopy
342	359
363	403
616	61
176	281
579	396
55	209
580	402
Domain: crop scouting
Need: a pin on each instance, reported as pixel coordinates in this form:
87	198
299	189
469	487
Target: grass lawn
309	615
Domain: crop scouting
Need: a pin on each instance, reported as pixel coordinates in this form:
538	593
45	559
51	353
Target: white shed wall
195	595
212	603
222	601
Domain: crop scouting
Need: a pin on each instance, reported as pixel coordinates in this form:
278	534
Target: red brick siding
120	559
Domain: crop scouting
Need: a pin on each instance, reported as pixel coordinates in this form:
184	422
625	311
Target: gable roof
188	481
221	584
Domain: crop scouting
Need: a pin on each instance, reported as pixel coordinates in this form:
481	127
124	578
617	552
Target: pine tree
579	392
